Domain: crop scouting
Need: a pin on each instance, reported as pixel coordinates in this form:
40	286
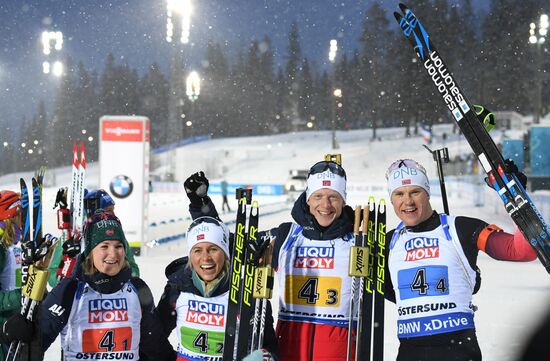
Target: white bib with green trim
201	326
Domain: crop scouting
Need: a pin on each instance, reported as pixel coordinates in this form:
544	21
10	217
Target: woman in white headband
196	294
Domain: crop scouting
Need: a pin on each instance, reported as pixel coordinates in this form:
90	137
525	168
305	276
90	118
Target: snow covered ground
513	296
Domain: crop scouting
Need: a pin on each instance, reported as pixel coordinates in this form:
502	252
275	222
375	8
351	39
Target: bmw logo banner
124	171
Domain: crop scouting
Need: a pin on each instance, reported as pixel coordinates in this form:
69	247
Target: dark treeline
381	82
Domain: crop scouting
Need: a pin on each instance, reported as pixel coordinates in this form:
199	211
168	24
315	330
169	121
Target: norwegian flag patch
110	232
405	181
200	236
326	183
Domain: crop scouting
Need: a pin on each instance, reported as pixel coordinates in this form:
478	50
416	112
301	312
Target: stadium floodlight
57	68
51	36
193	86
538	38
46	67
183	10
332	50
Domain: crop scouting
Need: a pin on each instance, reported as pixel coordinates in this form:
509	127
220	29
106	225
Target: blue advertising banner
257	189
514	150
539	151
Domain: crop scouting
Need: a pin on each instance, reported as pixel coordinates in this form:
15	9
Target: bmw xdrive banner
124	172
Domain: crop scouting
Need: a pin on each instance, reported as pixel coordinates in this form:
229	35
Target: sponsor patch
314	257
108	310
206	313
421	248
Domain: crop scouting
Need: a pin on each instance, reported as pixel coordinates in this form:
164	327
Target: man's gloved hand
18	328
258	247
510	167
71	247
259	355
196	187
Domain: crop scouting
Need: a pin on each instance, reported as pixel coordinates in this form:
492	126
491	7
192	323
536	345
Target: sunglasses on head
322	166
103	216
405	163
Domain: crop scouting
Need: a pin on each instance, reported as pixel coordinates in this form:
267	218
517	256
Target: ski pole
441	156
358	256
263	290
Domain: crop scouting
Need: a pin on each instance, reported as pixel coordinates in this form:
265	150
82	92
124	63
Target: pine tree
153	103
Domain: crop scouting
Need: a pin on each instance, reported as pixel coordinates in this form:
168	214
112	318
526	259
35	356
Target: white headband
211	233
405	176
326	179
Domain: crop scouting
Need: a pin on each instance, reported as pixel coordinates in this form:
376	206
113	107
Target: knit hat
407	172
208	229
10	204
326	175
103	227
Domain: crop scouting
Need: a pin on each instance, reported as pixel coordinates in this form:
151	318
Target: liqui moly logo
206	313
108	310
314	257
421	248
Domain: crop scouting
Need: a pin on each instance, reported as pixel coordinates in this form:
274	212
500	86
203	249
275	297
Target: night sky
134	31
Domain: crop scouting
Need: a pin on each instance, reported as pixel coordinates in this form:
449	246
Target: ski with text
516	200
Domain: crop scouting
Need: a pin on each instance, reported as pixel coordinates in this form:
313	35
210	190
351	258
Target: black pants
225	203
454	346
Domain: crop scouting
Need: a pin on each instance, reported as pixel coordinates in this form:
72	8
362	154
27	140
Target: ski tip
398	16
403	8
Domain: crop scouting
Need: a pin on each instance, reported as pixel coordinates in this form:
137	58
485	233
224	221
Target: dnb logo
121	186
421	248
206	313
314	257
108	310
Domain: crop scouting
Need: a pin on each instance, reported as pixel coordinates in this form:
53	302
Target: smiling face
108	257
411	204
325	205
207	260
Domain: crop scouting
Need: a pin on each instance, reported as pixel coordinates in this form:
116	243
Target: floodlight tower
178	21
537	36
52	64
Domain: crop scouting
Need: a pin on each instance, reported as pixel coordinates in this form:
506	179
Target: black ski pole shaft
441	156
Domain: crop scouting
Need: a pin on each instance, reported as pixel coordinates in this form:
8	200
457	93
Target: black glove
196	187
258	247
18	328
512	168
71	247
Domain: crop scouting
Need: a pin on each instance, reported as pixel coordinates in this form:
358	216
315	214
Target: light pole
178	21
537	36
193	90
332	57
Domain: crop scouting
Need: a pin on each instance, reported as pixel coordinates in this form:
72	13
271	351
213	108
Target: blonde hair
9	233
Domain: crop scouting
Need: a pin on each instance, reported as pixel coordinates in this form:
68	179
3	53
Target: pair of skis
36	252
241	303
516	201
367	270
71	220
